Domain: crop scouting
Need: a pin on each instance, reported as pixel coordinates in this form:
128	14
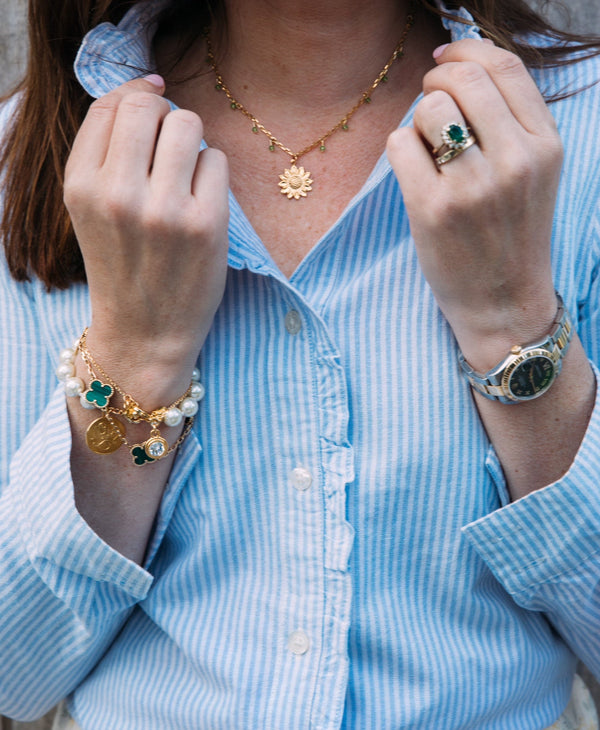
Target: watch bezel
522	357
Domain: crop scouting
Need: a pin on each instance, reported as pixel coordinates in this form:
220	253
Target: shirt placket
313	663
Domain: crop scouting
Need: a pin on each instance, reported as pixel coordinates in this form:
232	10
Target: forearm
118	497
137	186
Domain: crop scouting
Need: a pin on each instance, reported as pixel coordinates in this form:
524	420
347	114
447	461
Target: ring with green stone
455	135
456	138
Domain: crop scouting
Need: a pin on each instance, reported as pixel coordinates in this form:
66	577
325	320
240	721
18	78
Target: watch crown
515	349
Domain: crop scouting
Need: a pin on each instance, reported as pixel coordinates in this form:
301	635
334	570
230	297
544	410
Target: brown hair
35	227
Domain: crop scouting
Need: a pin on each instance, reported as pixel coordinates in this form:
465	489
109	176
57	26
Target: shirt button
293	322
301	479
298	643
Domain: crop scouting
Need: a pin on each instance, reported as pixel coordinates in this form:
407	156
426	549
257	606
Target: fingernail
155	80
439	50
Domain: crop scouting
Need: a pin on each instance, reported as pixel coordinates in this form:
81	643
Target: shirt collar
110	55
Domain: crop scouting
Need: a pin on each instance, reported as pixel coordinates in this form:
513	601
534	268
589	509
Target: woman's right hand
150	212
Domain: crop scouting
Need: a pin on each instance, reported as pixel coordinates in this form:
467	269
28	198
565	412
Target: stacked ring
456	138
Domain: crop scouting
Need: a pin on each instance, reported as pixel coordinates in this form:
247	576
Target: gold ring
456	138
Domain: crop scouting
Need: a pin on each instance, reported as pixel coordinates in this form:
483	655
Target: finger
435	112
413	165
135	132
92	141
211	178
509	75
480	102
176	153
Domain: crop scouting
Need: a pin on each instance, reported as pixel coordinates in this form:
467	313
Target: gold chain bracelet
107	434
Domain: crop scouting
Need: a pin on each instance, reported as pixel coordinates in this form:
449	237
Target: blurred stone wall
578	15
13	46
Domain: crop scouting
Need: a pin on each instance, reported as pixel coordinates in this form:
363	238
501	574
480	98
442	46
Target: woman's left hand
482	222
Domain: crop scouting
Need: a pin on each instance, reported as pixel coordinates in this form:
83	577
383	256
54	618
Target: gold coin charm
105	436
295	182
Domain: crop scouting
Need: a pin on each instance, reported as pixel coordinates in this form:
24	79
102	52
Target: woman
350	530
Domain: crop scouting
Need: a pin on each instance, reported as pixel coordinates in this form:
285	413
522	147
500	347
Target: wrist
485	338
528	370
154	373
121	413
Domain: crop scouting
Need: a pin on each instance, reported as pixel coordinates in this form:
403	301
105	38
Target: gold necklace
296	182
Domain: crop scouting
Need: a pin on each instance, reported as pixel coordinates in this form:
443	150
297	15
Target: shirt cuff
57	539
551	532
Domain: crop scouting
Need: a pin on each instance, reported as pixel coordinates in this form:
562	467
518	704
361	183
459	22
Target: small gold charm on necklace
295	182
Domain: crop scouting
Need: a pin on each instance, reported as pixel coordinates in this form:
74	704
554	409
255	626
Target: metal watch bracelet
539	363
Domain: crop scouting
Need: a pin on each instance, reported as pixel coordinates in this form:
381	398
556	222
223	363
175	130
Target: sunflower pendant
295	182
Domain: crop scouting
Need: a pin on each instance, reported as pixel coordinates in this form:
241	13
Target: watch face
531	376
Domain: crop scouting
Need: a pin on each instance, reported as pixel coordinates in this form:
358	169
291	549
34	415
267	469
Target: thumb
155	81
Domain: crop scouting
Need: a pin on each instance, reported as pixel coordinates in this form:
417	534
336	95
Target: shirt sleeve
545	548
64	592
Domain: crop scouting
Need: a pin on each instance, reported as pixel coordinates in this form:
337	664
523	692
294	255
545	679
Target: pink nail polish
155	80
439	50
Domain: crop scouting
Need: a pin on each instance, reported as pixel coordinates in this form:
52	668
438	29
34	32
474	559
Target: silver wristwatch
527	371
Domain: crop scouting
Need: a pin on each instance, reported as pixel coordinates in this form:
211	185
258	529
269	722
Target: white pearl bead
197	391
188	407
67	355
85	403
74	386
195	374
65	370
173	417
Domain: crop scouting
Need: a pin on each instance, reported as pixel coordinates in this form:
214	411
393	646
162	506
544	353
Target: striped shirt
336	547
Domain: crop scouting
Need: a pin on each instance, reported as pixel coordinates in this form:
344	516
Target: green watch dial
531	377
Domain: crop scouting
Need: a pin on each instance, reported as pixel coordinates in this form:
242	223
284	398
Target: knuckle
160	219
186	118
218	160
73	195
555	150
103	107
140	102
180	221
396	140
433	103
205	224
449	210
507	64
118	203
77	189
209	227
467	73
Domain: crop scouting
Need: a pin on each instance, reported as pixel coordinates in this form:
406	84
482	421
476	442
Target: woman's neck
316	53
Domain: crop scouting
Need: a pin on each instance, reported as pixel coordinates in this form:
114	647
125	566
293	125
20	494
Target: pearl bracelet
107	434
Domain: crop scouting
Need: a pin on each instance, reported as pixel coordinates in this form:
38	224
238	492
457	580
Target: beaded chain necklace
296	182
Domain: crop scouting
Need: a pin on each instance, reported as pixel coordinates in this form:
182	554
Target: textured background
581	15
